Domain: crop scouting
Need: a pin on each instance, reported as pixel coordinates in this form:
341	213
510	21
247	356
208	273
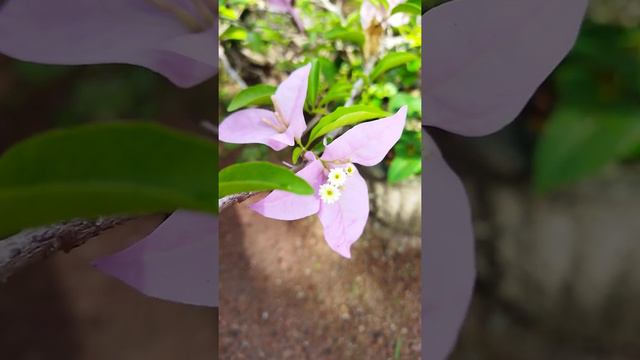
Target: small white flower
350	169
337	177
329	193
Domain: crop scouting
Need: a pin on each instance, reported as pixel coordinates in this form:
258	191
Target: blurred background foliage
41	97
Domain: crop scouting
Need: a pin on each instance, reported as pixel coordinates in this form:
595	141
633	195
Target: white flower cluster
331	191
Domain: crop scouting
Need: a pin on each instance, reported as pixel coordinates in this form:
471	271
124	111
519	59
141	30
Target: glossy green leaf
260	176
407	8
577	143
314	83
402	168
254	95
105	169
391	61
345	116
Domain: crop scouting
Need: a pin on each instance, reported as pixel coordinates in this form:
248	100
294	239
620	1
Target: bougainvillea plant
341	198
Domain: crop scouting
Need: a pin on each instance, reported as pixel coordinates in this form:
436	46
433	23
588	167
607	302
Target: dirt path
286	295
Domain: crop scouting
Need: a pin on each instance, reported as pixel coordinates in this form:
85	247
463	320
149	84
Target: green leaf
228	13
260	176
402	168
577	143
413	102
391	61
234	33
254	95
407	8
380	3
341	90
295	155
328	70
343	34
344	116
314	83
105	169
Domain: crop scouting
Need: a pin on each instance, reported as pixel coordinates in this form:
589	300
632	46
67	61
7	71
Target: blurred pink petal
367	143
290	97
284	205
177	262
286	6
448	266
483	60
247	127
344	221
117	31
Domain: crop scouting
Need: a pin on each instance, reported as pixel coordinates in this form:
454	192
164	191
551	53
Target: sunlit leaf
234	33
228	13
260	176
345	116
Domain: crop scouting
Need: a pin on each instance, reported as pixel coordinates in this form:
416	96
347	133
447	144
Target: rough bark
28	246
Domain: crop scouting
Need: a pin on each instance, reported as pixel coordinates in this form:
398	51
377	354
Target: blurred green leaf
228	13
254	95
409	145
345	116
105	169
343	34
391	61
39	73
414	104
260	176
234	33
402	168
107	96
328	70
407	8
296	155
314	84
577	143
341	90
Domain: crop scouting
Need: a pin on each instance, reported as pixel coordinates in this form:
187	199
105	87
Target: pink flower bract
344	221
276	129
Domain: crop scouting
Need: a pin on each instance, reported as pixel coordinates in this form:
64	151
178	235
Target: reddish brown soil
286	295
